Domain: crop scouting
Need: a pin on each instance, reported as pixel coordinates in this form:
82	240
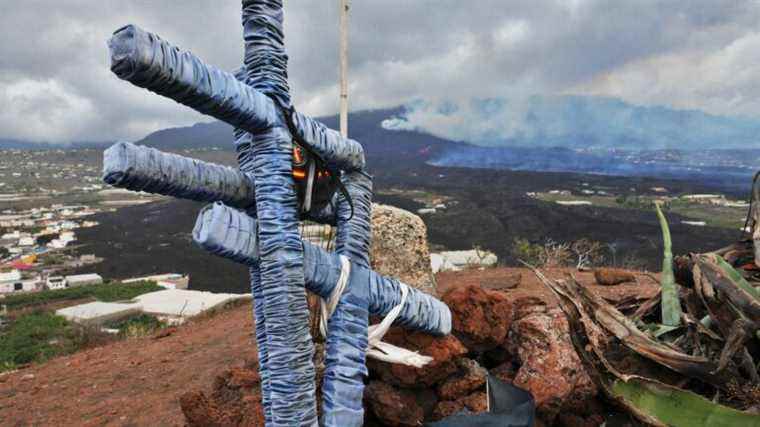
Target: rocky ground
207	368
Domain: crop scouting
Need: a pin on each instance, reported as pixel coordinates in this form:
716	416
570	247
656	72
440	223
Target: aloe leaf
670	305
660	330
675	407
737	278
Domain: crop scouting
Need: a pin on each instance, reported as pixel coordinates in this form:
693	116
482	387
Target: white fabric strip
376	348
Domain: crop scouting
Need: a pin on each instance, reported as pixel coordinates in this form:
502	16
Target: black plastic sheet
509	406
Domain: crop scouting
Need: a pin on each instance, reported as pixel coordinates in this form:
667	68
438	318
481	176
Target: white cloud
512	32
696	54
43	110
722	82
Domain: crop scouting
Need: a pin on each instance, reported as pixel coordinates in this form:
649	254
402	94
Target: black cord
288	113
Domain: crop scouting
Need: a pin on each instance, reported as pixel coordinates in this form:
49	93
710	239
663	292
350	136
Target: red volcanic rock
234	400
476	402
444	350
199	410
480	318
573	420
470	377
446	408
550	368
613	276
505	372
392	406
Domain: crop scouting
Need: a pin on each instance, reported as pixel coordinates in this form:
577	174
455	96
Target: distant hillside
14	144
365	126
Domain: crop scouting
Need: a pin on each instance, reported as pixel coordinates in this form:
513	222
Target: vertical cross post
289	349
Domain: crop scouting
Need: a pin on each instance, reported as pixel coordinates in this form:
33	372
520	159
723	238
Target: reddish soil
644	287
133	382
138	382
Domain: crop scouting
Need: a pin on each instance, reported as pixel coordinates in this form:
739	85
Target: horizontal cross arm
330	145
232	234
147	61
141	168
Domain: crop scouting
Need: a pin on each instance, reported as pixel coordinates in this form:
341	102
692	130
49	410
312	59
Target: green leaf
737	278
675	407
660	330
670	304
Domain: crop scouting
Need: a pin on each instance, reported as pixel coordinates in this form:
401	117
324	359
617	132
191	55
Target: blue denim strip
345	353
244	151
141	168
147	61
292	394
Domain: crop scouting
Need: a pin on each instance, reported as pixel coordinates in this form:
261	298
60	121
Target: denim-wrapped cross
254	217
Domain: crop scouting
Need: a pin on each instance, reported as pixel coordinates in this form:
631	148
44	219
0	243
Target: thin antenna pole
344	6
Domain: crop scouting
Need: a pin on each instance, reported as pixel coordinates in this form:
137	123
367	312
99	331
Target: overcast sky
55	83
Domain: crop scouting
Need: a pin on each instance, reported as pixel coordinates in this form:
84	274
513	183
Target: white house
12	282
56	282
83	280
26	241
168	280
459	260
11	276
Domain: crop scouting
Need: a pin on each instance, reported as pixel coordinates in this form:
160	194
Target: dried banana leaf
650	401
600	319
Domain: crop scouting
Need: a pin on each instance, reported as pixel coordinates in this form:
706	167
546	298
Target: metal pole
344	6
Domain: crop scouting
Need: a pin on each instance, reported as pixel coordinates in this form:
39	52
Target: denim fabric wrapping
346	345
147	61
421	311
227	233
329	145
289	343
265	58
244	152
141	168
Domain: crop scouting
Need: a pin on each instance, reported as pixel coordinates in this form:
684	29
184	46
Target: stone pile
514	338
519	340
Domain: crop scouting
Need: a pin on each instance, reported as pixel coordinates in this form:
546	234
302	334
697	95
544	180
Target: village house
168	280
13	281
56	282
76	280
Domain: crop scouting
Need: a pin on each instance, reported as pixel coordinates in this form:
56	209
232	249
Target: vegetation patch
107	292
137	326
39	336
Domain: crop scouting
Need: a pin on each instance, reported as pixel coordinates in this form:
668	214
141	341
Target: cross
255	101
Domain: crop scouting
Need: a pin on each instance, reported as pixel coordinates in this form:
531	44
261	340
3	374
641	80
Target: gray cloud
55	84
